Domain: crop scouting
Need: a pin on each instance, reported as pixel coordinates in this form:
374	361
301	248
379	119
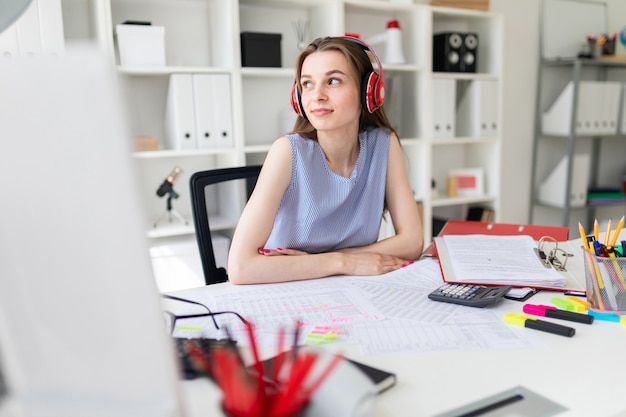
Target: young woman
319	201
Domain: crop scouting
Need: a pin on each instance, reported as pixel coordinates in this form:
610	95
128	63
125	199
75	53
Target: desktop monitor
81	327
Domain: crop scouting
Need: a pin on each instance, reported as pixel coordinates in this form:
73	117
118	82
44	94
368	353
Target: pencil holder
606	282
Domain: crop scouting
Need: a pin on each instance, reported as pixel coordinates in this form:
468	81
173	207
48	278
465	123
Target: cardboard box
141	45
146	143
463	4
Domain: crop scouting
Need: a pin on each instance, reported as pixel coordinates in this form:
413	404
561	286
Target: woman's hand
373	263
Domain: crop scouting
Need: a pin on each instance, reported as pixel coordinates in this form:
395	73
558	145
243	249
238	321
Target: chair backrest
198	184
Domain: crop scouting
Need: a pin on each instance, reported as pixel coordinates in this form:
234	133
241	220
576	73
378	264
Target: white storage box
141	45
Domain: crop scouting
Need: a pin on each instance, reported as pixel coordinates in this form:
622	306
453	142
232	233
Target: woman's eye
334	81
306	84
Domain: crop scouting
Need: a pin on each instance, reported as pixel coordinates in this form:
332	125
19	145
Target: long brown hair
361	64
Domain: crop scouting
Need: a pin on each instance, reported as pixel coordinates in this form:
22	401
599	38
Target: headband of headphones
373	89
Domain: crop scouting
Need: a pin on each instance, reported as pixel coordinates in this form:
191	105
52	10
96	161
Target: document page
490	259
385	313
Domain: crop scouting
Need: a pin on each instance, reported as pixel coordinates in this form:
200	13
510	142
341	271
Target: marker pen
553	312
605	315
569	305
533	323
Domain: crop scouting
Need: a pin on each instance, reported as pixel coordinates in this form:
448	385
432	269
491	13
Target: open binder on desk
517	260
464	227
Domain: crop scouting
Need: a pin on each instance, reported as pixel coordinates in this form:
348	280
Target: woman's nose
319	93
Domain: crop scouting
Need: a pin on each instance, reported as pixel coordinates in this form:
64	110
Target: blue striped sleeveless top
322	211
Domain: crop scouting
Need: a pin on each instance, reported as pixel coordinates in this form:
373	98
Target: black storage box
260	49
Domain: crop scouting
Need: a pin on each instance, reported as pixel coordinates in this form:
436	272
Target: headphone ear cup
370	93
296	101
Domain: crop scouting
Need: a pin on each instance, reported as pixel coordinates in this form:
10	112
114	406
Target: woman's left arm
408	242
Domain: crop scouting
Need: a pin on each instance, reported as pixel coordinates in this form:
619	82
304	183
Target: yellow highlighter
523	320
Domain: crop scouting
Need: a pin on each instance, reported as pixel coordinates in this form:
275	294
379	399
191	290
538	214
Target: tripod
170	212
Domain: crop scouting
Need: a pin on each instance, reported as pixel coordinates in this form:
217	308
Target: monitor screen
81	326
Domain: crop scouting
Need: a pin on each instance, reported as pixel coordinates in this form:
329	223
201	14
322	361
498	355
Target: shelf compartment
276	16
487	26
597	111
196	31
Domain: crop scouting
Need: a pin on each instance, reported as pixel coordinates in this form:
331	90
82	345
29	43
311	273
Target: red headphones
373	87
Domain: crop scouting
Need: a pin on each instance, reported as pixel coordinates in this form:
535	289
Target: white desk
585	373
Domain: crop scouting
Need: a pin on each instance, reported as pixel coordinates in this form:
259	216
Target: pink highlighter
555	313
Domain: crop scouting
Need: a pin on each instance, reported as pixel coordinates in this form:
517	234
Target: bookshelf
202	37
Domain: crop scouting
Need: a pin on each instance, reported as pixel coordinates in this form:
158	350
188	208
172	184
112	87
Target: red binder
465	227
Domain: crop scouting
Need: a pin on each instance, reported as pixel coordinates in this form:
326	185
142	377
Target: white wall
521	31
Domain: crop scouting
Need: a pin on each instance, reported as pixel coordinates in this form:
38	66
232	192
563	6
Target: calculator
469	294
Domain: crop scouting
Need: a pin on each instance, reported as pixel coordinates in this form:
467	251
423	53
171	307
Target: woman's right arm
245	264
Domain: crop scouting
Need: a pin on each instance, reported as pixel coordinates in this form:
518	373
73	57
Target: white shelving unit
577	146
202	37
579	141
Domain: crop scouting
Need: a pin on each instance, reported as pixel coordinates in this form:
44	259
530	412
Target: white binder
205	109
51	24
597	112
444	108
198	114
553	191
180	122
8	42
477	114
213	109
29	32
223	122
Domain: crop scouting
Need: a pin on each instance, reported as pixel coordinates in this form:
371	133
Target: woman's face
330	91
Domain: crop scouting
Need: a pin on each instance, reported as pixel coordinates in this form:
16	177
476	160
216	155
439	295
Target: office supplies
511	260
469	295
321	334
583	236
605	280
568	305
141	44
554	313
607	235
533	323
514	402
552	190
272	389
198	112
383	380
520	293
443	105
604	315
618	229
477	110
463	227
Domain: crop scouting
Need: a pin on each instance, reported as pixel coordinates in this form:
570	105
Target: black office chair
198	183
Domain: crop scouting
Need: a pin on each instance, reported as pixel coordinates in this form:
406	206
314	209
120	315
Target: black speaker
455	52
469	54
